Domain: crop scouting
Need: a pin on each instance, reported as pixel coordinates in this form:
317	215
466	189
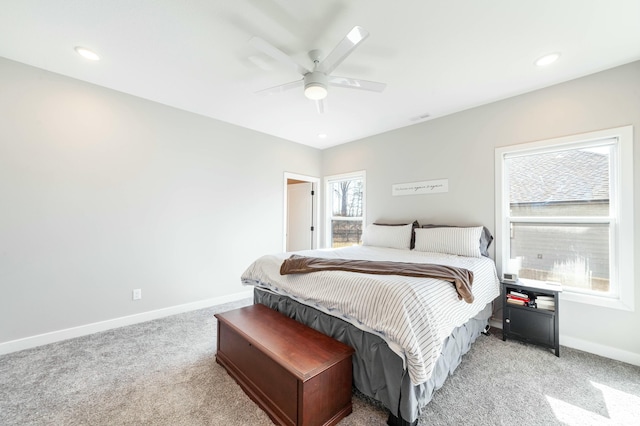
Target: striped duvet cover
413	315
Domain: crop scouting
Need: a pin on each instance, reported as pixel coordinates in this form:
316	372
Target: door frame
315	211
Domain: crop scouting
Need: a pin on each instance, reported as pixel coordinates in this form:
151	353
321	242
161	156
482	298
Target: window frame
621	248
328	180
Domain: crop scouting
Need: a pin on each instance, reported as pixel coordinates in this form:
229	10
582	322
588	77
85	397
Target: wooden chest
297	375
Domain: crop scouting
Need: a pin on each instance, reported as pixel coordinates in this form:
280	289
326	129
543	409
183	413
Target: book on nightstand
545	302
518	294
518	298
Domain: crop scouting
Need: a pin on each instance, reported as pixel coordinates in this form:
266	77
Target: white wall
102	192
460	147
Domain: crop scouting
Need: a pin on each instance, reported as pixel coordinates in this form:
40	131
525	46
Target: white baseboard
602	350
591	347
83	330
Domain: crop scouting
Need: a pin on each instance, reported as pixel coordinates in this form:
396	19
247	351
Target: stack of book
546	302
518	298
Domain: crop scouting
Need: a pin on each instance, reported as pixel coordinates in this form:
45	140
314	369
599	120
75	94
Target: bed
409	332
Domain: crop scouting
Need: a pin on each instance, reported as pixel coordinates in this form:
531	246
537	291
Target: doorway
300	212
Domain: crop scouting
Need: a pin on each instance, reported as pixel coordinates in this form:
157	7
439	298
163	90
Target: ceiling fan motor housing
315	85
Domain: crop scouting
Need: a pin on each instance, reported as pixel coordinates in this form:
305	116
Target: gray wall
102	193
460	147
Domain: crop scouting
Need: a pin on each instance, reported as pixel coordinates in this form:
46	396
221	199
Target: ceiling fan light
315	91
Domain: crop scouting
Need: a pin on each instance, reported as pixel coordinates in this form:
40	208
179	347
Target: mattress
413	316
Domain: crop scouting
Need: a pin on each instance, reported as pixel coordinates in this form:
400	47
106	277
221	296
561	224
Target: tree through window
345	199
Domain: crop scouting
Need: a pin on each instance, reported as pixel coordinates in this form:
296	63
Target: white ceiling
437	57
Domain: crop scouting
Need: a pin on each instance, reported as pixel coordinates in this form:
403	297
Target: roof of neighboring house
569	176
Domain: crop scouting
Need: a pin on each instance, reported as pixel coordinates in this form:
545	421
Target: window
345	209
564	212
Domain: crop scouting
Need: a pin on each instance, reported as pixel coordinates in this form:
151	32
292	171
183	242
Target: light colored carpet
163	372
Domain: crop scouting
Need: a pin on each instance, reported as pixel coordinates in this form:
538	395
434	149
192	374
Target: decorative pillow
393	236
485	238
460	241
415	225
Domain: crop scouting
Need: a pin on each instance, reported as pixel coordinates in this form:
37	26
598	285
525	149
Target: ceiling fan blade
320	105
277	54
343	49
281	88
354	83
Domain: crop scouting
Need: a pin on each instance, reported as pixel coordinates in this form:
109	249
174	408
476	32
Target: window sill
604	302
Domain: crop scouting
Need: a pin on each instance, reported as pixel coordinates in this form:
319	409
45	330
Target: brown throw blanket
461	278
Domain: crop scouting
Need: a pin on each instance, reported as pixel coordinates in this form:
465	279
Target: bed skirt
377	371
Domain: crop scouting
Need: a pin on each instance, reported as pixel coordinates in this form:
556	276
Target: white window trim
328	197
622	252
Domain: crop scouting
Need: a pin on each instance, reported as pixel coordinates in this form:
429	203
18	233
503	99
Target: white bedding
413	315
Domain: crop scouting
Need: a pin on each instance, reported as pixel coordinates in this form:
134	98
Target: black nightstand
530	313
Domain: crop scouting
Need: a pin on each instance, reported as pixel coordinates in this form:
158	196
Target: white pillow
398	236
460	241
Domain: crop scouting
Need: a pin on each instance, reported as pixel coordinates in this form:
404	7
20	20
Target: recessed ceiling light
547	59
322	135
87	53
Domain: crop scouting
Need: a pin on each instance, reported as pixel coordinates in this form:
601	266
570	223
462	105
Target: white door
299	216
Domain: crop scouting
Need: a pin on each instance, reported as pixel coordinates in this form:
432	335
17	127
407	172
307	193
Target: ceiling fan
317	80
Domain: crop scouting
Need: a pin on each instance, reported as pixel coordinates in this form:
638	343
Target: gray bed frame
377	371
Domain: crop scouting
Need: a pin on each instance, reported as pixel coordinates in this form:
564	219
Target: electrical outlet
137	294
